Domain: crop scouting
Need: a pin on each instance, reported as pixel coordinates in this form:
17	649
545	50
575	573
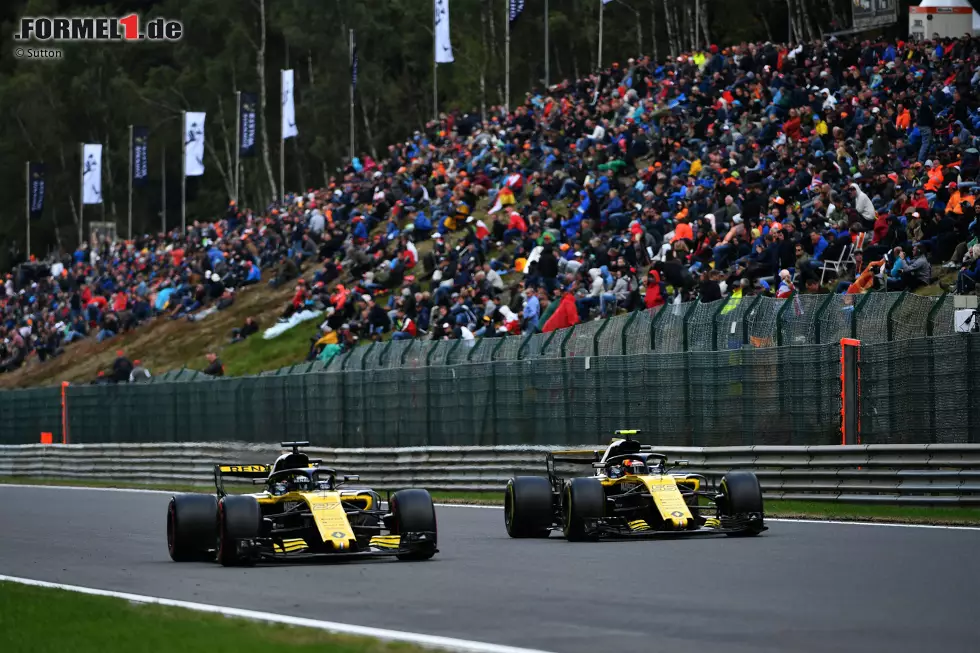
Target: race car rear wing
255	472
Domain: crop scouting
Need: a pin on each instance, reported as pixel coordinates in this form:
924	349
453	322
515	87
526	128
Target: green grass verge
41	620
939	515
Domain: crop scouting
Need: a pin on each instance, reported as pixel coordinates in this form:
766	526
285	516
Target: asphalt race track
798	587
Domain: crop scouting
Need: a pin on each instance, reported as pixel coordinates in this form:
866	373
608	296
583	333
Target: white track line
470	505
427	641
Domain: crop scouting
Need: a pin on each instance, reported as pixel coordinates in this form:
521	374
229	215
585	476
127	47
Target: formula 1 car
633	493
305	512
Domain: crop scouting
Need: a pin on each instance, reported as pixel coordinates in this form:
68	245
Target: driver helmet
615	471
300	483
634	467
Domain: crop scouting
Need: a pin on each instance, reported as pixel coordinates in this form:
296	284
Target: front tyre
528	507
741	500
191	527
414	519
239	518
583	504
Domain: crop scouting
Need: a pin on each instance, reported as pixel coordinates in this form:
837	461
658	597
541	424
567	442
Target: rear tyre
742	500
239	518
191	527
528	508
415	521
583	502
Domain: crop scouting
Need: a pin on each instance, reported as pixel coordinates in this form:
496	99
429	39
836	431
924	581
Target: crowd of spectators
837	165
831	166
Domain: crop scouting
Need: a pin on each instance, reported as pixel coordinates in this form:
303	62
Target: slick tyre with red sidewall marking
414	515
528	507
239	518
583	503
192	523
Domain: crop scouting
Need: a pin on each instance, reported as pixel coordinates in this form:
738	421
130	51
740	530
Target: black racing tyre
239	518
742	498
583	502
528	508
414	513
192	522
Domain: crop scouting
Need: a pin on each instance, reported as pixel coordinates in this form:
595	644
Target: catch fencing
915	391
735	323
904	474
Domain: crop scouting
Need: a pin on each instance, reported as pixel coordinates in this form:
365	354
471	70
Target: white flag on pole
444	47
92	173
288	106
194	143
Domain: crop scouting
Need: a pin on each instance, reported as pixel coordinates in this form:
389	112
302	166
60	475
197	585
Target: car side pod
192	523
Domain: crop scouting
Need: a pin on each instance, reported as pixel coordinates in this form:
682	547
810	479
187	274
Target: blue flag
141	138
36	189
516	7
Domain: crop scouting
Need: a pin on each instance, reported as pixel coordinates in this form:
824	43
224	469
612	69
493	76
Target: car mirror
598	465
354	477
681	463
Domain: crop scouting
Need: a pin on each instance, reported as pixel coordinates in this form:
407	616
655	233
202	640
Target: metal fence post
745	319
595	338
401	359
548	340
383	355
493	388
819	315
933	312
564	341
428	392
857	313
626	328
366	354
653	325
476	345
714	321
890	328
779	317
686	320
523	348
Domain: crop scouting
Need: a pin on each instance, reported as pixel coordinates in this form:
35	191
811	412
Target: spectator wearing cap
122	367
139	374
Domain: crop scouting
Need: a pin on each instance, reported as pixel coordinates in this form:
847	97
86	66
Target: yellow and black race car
633	493
305	511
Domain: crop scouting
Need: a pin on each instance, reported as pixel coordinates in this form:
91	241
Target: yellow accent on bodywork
243	469
668	499
386	541
290	546
328	514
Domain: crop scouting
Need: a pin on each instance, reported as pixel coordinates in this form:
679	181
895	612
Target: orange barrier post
64	412
47	438
850	391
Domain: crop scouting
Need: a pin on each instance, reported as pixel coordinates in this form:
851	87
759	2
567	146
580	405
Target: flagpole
163	188
602	5
435	67
507	54
547	49
282	137
130	182
27	169
697	24
81	196
238	141
350	46
183	175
